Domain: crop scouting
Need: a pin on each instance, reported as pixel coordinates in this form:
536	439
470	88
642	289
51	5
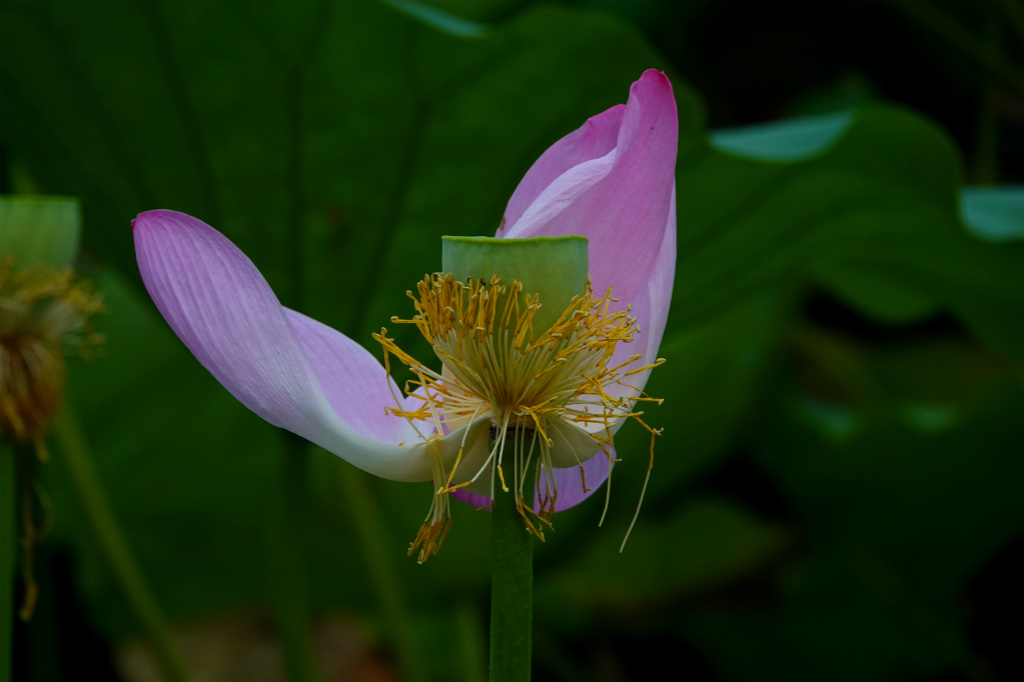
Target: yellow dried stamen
496	365
43	314
32	536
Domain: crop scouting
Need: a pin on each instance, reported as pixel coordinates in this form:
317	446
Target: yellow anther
497	366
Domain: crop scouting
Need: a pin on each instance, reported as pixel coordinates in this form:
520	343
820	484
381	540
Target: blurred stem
986	150
8	557
1015	14
43	635
112	545
363	514
931	17
985	164
287	577
471	639
296	204
511	592
291	602
838	362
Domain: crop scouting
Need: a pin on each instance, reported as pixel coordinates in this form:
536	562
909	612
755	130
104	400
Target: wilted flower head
44	312
538	363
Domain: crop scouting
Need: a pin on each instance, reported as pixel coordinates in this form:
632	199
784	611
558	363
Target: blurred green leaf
705	543
994	213
336	142
885	293
711	377
899	513
837	630
873	220
439	19
789	140
749	226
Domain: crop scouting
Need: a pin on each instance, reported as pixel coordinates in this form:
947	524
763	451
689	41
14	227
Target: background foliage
837	494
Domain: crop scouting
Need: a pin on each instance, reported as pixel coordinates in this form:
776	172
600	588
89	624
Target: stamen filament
497	367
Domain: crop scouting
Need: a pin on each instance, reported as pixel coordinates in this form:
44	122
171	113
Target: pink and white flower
612	181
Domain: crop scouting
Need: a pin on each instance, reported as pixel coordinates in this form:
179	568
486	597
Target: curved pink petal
354	382
569	483
566	189
613	180
650	308
622	206
220	306
592	140
471	498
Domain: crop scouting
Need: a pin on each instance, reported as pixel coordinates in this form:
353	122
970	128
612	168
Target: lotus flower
611	181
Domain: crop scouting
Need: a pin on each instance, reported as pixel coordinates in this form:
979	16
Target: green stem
8	557
112	545
288	584
365	519
511	592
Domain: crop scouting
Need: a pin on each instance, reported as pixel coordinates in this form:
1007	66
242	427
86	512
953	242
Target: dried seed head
44	313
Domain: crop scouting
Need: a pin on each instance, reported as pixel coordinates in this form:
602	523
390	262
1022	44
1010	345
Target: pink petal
471	498
650	308
623	206
355	383
568	482
593	140
220	306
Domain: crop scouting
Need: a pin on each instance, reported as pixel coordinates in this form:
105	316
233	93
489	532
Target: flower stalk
113	547
362	510
44	315
288	587
8	557
511	593
547	270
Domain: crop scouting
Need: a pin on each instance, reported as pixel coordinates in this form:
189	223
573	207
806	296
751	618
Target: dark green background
838	491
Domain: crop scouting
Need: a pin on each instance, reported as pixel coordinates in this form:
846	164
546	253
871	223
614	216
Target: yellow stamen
43	314
496	366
